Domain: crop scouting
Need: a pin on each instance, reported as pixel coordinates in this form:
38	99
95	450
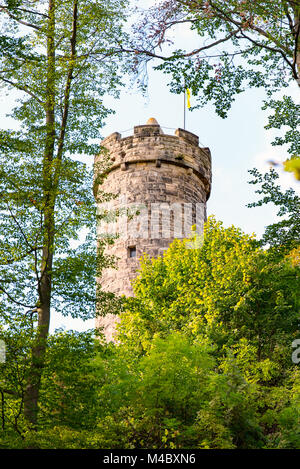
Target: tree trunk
49	195
297	38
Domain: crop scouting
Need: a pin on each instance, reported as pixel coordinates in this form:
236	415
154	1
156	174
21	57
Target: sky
237	144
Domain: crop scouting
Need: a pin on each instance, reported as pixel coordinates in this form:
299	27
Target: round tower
160	184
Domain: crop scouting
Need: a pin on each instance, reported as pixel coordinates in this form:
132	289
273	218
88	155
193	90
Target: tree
261	33
203	358
14	372
285	234
61	65
102	396
240	302
243	43
67	392
228	290
69	386
175	396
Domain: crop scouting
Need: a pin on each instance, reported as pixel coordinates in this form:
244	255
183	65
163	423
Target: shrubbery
203	358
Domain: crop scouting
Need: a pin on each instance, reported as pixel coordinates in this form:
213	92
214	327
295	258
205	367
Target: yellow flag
188	96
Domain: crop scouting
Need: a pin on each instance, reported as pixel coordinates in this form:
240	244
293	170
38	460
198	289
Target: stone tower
162	182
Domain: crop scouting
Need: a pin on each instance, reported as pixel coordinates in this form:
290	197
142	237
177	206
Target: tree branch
61	137
259	30
25	23
272	49
32	12
15	301
8	391
189	54
22	88
19	226
12	261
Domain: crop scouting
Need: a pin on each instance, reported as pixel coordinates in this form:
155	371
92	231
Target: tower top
152	121
150	146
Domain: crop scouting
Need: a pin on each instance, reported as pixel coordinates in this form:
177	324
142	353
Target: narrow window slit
132	251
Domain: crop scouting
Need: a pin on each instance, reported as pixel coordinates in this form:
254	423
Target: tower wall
165	181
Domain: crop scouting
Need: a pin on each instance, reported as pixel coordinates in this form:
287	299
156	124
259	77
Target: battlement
150	145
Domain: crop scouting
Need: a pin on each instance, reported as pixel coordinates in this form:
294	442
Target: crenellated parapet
150	145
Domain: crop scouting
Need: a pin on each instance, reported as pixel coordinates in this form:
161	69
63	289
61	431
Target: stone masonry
163	181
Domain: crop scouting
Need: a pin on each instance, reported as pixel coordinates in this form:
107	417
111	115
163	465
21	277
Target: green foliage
281	419
36	184
239	45
17	336
64	62
205	349
174	397
69	383
203	358
284	234
226	290
293	166
200	77
286	114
